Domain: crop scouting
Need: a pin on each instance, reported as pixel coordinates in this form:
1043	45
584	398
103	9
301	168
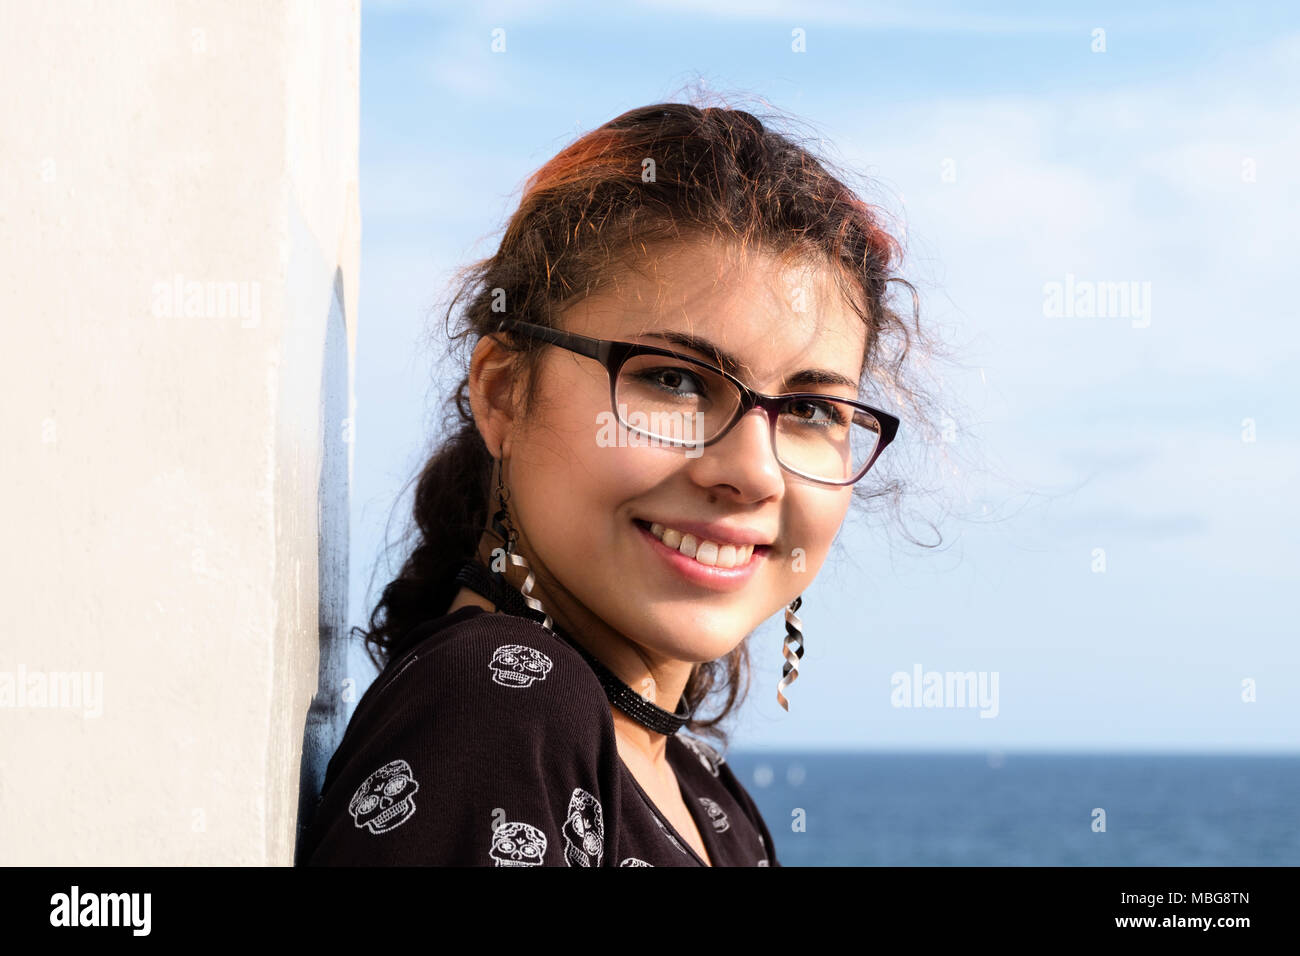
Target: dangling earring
793	635
506	531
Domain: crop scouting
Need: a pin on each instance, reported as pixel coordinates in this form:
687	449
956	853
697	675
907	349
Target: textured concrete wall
179	244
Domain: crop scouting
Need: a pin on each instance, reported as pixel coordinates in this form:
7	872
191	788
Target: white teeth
690	544
705	552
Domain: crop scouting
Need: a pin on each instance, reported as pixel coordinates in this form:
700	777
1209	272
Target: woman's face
582	504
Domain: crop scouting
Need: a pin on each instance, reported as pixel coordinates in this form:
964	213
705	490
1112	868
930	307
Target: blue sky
1016	157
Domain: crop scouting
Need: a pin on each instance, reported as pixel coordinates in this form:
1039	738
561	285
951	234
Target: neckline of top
687	799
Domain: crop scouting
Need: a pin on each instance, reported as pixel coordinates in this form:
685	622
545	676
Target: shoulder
482	689
484	664
501	735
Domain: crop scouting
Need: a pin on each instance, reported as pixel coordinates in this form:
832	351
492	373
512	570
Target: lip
716	532
716	579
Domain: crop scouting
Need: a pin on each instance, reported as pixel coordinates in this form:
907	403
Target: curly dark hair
717	173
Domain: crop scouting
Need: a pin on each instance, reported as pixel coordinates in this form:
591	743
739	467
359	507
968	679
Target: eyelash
835	412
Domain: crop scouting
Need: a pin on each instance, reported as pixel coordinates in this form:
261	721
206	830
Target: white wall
167	464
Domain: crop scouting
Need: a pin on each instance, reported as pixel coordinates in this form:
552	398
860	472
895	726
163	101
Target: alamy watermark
178	298
684	426
945	689
75	908
1085	299
64	689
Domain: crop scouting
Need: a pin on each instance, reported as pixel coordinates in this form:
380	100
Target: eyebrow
804	377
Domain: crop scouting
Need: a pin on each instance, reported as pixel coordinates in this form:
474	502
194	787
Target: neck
643	741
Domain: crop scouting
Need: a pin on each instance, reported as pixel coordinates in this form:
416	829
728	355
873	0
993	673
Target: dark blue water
1026	810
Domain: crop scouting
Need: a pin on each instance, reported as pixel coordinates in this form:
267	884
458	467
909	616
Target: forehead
773	315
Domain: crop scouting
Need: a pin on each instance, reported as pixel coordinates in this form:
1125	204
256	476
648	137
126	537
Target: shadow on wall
327	717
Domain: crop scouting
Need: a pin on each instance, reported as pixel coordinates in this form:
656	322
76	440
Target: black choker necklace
495	588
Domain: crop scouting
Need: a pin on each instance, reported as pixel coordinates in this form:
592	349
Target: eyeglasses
675	399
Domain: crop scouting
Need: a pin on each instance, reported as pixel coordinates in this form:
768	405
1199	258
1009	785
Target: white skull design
386	799
716	816
709	757
584	830
633	861
516	665
518	844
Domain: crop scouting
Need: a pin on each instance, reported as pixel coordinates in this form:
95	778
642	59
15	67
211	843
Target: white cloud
1135	184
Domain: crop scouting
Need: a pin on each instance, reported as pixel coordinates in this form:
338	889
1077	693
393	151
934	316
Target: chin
693	647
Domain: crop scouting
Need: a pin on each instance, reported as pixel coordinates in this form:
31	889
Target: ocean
885	809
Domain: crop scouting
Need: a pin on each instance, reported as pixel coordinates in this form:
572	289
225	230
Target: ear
491	394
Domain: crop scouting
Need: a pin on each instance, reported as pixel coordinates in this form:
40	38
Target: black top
489	741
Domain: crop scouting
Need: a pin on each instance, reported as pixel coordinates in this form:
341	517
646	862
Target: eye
813	412
674	379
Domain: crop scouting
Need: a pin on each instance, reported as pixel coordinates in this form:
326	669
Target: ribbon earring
793	636
506	531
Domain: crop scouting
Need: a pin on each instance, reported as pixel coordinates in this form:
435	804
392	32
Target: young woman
659	436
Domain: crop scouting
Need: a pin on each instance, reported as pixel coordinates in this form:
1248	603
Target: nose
743	459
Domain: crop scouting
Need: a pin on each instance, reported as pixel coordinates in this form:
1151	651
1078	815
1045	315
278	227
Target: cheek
815	520
576	473
594	466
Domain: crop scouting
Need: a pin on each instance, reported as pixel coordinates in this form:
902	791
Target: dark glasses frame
613	354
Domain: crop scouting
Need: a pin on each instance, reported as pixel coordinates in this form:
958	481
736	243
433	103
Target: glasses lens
825	438
667	399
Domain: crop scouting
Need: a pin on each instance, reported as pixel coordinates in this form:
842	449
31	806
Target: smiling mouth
725	557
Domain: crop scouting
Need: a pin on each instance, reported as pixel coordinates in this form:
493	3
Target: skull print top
488	741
